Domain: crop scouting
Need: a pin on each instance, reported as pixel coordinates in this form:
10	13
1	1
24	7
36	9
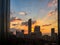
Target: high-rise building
37	31
52	31
29	26
53	34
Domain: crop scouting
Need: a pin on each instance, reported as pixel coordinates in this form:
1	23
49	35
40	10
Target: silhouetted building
56	34
46	37
37	31
53	34
32	35
20	33
29	26
52	31
26	36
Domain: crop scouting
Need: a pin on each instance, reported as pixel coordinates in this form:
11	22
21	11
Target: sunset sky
42	12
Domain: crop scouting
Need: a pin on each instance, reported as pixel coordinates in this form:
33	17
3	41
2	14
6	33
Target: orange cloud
44	28
46	25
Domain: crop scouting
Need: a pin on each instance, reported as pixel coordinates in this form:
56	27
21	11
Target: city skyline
42	13
29	27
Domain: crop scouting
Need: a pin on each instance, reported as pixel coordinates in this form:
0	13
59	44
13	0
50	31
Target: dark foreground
13	40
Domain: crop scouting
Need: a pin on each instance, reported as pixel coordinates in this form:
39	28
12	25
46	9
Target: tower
53	34
52	31
37	31
29	26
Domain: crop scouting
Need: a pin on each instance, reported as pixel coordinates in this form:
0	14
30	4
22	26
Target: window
35	19
41	13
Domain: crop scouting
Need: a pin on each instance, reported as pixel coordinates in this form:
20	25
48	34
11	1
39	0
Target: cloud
26	23
22	13
13	13
46	25
53	12
15	18
52	3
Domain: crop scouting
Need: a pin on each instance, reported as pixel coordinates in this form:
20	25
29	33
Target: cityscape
34	22
37	34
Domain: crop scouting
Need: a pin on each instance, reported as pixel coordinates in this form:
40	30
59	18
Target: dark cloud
47	25
26	23
14	24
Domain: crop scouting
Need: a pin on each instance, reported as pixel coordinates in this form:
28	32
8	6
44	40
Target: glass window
36	18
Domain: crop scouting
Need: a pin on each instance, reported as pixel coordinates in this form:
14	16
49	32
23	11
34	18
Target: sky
44	12
34	8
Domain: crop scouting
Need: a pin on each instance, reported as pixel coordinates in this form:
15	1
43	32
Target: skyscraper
52	31
37	31
29	26
53	34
